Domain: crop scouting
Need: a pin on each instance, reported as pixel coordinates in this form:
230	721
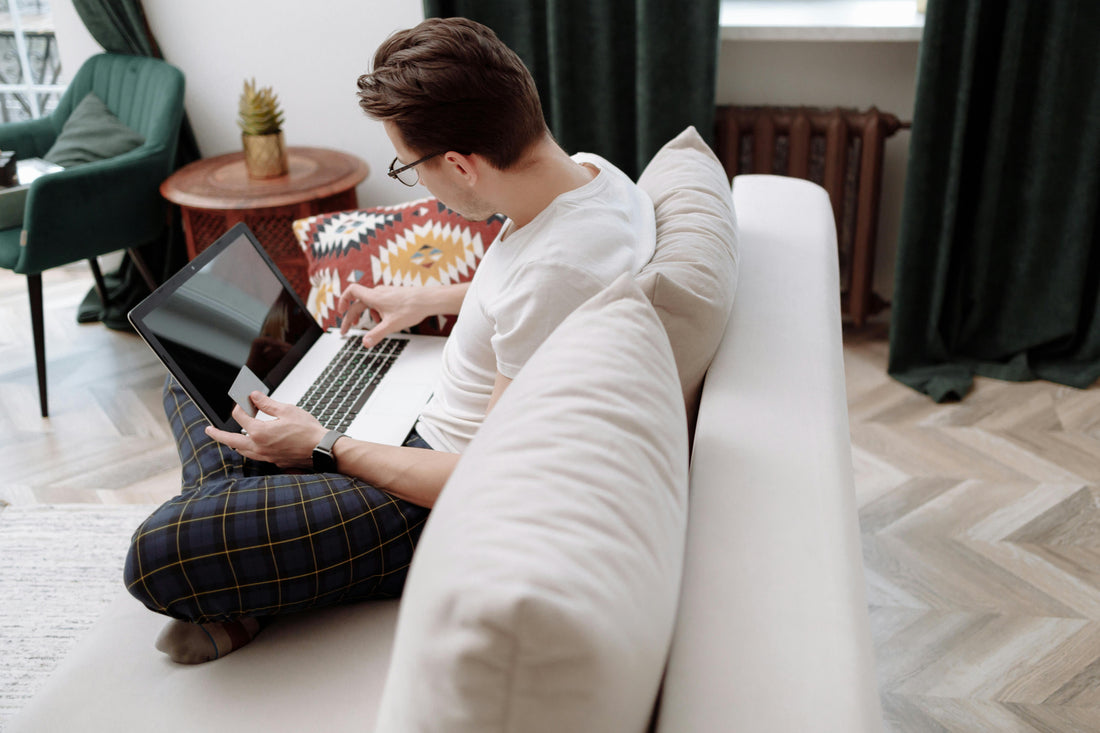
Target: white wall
74	43
310	52
827	74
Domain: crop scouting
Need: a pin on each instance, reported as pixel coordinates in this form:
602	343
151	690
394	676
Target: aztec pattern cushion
420	243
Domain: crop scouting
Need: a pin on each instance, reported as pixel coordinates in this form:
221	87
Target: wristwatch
323	459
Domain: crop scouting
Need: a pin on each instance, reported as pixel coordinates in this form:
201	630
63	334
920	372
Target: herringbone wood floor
981	520
981	544
107	440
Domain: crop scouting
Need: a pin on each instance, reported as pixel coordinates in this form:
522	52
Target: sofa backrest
692	277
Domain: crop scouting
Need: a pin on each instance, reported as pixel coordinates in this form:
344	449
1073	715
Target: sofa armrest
773	632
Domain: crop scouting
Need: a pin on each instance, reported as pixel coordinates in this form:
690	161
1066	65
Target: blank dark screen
233	312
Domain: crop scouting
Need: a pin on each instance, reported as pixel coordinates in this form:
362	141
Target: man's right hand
393	308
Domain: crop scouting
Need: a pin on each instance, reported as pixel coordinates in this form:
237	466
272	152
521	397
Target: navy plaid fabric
242	539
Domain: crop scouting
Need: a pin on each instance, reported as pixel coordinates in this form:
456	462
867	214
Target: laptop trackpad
390	413
394	397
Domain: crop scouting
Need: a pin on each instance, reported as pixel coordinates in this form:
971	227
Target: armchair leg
34	291
100	283
146	273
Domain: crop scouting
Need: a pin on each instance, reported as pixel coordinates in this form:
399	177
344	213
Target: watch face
323	461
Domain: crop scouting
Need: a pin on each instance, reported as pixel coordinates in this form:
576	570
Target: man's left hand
287	441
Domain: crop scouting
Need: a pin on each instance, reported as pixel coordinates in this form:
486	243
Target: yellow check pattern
242	539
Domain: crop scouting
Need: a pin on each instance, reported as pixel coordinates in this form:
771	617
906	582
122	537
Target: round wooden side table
215	193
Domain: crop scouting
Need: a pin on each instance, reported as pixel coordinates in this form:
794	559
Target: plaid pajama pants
244	540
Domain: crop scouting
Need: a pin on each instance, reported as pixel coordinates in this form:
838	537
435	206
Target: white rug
60	566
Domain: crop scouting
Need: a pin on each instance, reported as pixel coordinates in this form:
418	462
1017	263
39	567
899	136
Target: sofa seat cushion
321	670
693	274
420	243
543	591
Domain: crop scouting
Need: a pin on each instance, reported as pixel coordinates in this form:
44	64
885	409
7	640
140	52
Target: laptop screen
226	310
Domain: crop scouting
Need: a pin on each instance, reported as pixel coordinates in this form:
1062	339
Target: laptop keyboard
340	392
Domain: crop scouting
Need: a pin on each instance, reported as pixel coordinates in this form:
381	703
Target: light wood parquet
106	440
980	520
981	544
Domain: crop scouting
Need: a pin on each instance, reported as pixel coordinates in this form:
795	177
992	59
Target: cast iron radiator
840	149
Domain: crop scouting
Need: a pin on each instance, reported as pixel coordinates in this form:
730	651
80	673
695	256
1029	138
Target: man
242	541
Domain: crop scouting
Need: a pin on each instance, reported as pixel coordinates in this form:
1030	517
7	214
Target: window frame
30	90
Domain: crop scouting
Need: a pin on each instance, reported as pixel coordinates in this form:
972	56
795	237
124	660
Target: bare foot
188	643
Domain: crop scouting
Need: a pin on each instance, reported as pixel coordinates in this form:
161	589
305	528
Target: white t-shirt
528	282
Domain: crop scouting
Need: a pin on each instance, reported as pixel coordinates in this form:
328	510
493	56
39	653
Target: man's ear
466	166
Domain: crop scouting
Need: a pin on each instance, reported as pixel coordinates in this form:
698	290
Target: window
29	62
820	20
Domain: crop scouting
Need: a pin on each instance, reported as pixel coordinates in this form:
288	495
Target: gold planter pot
265	155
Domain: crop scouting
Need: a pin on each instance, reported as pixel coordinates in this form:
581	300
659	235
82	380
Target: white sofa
771	633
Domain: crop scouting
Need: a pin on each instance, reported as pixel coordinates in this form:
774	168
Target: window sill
820	20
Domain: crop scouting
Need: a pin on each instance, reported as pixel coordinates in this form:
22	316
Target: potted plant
261	123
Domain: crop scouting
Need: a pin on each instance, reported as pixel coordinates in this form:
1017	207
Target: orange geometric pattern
430	254
421	243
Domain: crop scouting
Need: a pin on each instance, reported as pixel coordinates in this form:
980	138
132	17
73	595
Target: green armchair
102	206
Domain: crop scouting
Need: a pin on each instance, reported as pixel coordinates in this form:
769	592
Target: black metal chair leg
34	291
100	283
146	273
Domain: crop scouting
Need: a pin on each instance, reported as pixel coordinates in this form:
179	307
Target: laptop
229	323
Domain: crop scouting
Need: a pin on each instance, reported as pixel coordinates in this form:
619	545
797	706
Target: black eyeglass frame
396	172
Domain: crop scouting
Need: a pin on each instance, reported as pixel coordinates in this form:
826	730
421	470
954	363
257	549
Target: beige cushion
543	592
693	275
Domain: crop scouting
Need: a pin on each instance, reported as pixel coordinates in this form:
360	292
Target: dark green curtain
998	260
618	78
120	27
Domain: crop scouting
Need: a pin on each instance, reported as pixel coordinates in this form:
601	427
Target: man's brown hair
451	84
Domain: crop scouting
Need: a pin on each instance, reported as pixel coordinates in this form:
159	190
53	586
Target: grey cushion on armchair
91	133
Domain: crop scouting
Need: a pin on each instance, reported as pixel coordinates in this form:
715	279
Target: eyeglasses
408	174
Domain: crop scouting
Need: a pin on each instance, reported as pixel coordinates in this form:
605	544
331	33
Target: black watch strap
323	459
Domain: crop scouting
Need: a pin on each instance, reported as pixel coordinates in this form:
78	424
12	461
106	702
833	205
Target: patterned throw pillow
421	243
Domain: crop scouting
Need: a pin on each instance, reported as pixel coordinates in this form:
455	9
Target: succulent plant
259	110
